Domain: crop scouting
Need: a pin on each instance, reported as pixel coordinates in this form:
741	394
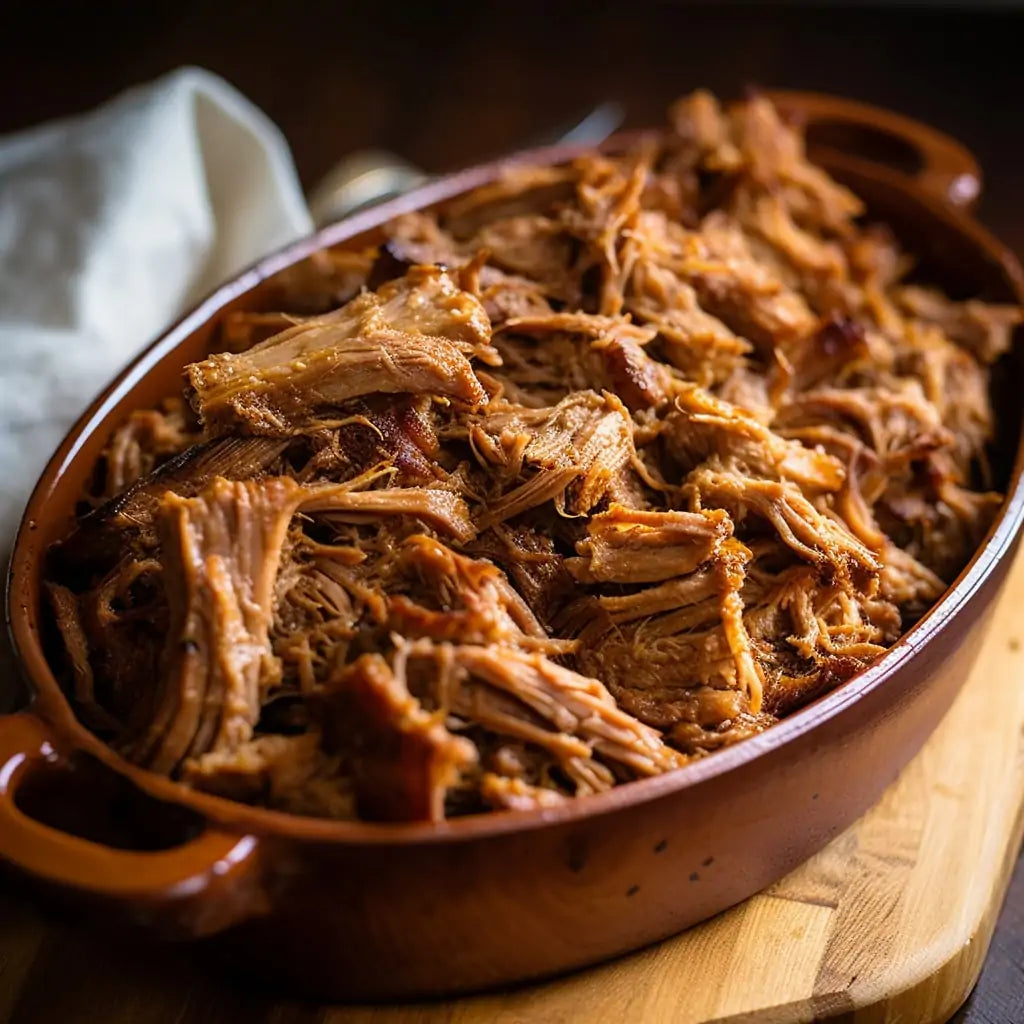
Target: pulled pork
576	479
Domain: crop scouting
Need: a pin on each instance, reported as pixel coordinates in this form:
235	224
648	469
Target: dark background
447	85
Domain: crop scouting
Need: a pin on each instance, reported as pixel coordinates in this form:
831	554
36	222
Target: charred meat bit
403	758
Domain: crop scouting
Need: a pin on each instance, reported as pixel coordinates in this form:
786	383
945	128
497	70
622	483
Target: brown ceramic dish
381	911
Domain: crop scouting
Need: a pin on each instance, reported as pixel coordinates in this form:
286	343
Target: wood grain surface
889	923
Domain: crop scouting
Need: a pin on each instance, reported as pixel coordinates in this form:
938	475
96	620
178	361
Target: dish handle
200	887
853	132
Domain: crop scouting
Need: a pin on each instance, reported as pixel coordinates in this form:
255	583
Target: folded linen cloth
111	225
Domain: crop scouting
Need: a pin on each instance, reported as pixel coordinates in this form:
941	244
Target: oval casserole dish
368	911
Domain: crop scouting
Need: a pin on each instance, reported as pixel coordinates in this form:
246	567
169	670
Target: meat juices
584	475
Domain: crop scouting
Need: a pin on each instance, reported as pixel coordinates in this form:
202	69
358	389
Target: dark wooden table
447	86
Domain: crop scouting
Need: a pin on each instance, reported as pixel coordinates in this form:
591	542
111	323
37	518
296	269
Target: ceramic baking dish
374	911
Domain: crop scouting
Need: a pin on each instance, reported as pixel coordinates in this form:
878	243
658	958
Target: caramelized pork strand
413	336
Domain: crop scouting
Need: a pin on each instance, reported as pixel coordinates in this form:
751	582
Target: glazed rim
23	590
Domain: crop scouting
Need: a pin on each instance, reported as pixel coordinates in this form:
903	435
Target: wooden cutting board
889	923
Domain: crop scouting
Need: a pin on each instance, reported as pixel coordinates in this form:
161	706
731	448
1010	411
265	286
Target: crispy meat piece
574	450
629	546
456	598
411	336
700	345
382	431
703	426
839	344
570	704
615	359
814	536
443	509
638	380
403	758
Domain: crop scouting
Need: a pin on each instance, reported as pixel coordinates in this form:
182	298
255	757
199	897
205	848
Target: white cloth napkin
111	225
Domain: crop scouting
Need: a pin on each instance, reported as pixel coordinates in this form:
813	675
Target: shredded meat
412	336
570	453
574	479
571	715
631	546
442	509
221	551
